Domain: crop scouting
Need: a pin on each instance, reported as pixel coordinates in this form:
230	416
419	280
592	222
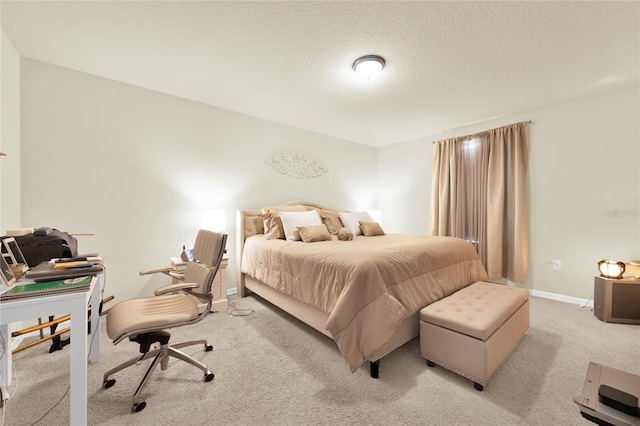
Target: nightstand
179	265
218	287
617	300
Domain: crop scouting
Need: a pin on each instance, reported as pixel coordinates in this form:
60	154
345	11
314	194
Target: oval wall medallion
296	165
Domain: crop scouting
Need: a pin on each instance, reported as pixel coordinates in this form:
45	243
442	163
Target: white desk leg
5	357
78	364
94	354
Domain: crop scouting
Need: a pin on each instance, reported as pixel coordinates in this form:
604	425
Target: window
479	194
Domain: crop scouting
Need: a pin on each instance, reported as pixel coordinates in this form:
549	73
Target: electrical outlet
556	264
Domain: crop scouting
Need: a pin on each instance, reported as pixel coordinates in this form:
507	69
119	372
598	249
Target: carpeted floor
272	369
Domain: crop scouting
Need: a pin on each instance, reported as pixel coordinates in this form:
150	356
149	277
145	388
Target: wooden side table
219	287
617	300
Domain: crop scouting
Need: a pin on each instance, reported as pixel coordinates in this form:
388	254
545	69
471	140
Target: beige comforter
368	286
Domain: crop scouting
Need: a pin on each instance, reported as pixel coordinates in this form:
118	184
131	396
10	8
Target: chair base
160	357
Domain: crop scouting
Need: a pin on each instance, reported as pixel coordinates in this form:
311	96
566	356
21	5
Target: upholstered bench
475	329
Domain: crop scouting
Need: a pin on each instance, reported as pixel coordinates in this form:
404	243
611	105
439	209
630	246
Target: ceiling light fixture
2	154
368	66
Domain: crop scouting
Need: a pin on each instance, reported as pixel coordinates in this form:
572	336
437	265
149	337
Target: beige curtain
479	193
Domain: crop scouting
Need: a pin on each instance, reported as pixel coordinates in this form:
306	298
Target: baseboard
562	298
232	291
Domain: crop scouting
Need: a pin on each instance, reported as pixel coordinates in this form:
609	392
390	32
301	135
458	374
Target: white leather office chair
144	321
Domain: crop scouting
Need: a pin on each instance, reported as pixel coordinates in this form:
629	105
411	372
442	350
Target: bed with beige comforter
367	286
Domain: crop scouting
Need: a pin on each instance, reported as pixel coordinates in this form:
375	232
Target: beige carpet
272	369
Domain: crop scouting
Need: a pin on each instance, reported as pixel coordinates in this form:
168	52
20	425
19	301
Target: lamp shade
611	268
213	220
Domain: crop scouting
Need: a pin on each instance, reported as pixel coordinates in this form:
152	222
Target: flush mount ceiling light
368	66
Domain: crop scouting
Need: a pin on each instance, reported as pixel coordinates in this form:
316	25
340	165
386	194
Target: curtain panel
479	193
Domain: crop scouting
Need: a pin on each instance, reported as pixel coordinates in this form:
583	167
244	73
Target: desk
67	303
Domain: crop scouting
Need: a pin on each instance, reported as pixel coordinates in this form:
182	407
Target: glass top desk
61	304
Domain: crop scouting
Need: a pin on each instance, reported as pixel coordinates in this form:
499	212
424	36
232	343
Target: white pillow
291	221
351	220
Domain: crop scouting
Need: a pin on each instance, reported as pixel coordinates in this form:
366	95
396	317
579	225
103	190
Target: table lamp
615	269
611	268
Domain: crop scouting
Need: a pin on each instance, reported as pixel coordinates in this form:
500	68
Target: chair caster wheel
139	406
208	348
108	383
208	376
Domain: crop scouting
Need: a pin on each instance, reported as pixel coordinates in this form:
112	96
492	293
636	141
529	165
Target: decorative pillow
371	229
331	219
271	220
291	221
273	229
352	220
253	226
345	234
311	234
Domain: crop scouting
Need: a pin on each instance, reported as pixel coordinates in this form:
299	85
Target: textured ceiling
449	64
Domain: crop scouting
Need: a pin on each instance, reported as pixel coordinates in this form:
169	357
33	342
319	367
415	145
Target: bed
365	294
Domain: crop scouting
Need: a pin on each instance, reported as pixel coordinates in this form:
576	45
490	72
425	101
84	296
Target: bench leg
477	386
431	363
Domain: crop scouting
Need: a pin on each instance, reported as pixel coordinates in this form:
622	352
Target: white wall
9	136
583	180
138	168
9	141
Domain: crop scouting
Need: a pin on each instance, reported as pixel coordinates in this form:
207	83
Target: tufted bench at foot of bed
474	330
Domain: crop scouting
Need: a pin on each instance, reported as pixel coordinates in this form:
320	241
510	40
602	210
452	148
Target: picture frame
6	273
13	251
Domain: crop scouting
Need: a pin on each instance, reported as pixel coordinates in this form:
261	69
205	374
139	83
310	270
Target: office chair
144	321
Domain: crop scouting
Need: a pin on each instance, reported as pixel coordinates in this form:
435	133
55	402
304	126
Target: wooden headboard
245	228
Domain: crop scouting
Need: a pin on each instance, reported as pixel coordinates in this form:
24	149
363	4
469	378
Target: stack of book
71	264
65	268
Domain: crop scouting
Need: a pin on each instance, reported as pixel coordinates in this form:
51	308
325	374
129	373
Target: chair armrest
177	275
164	270
174	288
